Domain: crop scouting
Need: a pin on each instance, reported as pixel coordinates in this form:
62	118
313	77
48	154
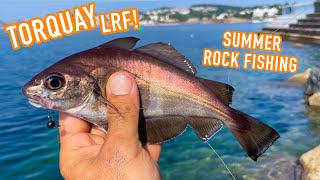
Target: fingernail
120	85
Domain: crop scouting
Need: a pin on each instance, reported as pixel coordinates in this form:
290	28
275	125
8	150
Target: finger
83	140
122	92
70	125
96	130
154	150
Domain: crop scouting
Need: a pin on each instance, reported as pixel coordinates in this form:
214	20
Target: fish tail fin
254	136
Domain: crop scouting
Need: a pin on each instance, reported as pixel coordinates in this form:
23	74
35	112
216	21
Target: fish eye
54	82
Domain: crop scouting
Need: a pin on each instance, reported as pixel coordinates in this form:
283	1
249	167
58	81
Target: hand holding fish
88	152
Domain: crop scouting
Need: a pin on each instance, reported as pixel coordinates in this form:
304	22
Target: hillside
208	12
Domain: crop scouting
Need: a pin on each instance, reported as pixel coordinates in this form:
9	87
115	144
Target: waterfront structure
299	22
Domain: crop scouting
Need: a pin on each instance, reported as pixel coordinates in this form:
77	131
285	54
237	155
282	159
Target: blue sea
29	150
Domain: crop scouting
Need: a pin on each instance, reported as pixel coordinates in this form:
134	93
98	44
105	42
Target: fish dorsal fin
168	54
222	90
126	43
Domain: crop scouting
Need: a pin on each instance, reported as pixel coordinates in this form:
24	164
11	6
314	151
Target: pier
299	23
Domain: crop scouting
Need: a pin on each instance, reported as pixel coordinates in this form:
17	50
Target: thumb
122	92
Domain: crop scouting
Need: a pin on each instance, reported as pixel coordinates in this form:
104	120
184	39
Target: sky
11	10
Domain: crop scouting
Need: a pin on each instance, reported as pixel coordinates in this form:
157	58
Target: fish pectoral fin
222	90
205	127
169	55
97	92
159	129
126	43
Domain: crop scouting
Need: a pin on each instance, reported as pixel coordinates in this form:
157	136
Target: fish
171	95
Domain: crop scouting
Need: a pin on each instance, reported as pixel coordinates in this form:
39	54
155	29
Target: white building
184	11
193	20
265	12
222	16
204	9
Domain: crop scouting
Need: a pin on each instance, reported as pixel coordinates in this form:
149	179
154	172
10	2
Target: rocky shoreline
310	80
309	162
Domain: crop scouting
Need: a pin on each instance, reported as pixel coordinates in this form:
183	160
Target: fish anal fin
205	127
159	129
169	55
126	43
222	90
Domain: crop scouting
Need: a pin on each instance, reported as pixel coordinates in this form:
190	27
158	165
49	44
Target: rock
285	169
278	166
314	100
300	78
310	162
313	83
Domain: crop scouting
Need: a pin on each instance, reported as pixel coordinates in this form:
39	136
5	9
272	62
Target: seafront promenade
300	23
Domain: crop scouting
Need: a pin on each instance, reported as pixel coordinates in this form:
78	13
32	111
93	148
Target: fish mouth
38	101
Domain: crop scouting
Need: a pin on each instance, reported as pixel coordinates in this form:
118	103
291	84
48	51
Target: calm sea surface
29	150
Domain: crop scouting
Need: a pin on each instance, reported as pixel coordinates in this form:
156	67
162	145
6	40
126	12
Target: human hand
87	152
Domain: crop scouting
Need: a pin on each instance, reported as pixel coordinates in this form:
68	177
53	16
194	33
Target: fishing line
221	160
229	78
290	20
